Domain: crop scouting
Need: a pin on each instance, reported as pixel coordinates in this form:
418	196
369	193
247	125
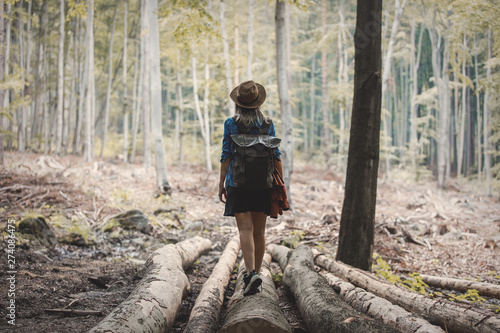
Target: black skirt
241	200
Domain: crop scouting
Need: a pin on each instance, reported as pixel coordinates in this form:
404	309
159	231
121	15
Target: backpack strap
264	129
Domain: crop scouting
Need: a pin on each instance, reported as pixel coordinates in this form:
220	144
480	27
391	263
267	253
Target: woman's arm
223	172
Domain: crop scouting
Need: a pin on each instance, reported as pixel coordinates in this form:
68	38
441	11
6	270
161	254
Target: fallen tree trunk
153	304
451	316
206	311
381	308
257	313
485	289
321	308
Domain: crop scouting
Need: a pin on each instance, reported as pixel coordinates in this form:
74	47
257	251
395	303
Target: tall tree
2	91
486	117
110	80
88	151
124	82
387	67
250	40
146	81
357	223
162	184
225	52
60	80
324	83
283	92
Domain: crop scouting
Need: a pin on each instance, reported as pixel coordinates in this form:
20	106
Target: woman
249	207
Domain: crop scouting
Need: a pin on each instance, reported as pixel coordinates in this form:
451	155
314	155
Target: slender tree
124	82
60	81
250	40
162	184
88	151
357	223
284	95
2	91
110	80
225	52
146	81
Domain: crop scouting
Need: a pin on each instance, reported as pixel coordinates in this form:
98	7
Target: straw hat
248	94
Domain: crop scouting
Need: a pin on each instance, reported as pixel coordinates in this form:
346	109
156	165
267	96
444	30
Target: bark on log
485	289
322	309
451	316
381	308
154	303
258	313
206	311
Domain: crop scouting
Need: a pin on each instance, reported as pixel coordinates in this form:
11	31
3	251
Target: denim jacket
231	128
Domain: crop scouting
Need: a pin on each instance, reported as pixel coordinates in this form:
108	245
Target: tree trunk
80	91
124	82
136	109
2	91
386	71
206	111
324	97
201	118
60	81
260	311
486	119
454	317
5	64
90	90
320	307
414	65
162	184
440	72
312	115
179	118
283	92
358	213
154	303
225	52
250	40
381	308
205	314
461	134
146	94
478	113
110	79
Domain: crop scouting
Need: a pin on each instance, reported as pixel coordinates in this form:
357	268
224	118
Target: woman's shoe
252	283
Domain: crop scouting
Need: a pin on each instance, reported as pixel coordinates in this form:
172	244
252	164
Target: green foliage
293	239
383	269
278	279
471	295
76	9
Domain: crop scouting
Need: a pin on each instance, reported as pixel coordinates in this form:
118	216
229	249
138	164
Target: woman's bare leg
246	230
259	238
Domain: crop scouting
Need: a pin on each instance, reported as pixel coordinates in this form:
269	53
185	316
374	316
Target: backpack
254	157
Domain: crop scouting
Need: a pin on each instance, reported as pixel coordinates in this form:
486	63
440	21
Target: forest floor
458	230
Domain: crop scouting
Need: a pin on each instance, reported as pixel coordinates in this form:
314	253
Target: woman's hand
222	194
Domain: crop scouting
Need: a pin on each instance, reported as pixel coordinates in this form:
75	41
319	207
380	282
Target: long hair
250	116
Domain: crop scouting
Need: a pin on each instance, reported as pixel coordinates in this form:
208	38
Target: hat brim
258	102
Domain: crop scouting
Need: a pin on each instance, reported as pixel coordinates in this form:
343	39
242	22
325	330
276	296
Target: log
257	313
484	289
155	301
450	316
381	308
321	308
206	311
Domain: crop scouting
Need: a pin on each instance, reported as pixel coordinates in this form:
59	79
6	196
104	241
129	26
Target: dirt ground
419	228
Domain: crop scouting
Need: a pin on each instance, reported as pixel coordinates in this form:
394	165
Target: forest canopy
440	80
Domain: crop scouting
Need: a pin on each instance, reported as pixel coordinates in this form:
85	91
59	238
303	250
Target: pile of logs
338	299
